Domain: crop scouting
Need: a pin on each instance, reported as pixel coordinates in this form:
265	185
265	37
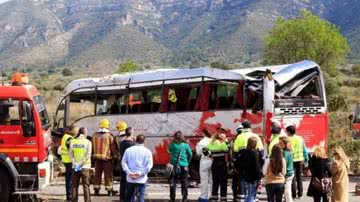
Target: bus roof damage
290	79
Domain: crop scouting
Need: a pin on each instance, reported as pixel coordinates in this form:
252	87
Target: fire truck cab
24	139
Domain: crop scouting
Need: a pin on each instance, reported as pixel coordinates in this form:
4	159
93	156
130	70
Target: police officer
104	150
301	157
218	149
65	157
80	154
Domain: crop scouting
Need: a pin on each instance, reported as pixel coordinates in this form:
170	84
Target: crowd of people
103	149
279	166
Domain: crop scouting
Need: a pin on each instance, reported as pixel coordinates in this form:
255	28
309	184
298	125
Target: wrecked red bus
158	103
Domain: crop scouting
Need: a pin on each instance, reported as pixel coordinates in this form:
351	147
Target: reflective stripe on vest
80	147
64	150
297	144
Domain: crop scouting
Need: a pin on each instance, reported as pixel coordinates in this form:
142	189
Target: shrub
219	65
338	102
66	72
356	69
128	66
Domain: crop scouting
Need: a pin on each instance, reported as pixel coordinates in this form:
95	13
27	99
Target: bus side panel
160	127
313	128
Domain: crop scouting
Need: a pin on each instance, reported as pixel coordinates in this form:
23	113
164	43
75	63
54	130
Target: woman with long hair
251	167
340	179
319	166
274	171
180	156
285	145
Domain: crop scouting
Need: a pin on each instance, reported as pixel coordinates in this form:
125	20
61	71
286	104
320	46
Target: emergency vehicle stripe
18	150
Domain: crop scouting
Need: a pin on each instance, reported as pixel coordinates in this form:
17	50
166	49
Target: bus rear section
24	140
294	95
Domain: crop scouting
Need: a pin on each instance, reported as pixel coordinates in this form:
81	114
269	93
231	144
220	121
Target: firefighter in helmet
104	151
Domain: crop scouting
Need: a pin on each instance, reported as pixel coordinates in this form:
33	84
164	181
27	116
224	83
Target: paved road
160	192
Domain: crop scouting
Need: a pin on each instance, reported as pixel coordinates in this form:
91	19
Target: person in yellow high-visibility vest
65	157
80	154
301	158
219	149
275	136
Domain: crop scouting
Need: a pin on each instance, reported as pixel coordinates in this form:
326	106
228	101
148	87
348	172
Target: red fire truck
24	139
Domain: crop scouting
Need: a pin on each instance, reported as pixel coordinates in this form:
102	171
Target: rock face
43	33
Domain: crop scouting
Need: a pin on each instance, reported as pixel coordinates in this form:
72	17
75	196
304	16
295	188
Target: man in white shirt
136	163
205	166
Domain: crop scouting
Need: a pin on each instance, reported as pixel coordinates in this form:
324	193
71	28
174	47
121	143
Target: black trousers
183	178
219	175
324	198
297	184
68	180
122	186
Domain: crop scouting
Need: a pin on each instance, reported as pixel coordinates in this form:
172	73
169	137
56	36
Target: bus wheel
4	185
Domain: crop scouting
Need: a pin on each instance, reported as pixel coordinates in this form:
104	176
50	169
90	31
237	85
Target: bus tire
5	189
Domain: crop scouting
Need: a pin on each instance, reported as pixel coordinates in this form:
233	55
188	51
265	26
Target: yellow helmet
104	123
121	125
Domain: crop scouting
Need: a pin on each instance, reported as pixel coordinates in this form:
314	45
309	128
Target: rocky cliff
102	33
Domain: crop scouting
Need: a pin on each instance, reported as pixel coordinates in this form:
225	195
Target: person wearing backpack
180	156
319	166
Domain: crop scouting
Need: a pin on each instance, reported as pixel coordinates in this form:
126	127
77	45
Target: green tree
128	66
306	37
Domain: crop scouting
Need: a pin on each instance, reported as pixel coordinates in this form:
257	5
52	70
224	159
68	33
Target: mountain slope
102	33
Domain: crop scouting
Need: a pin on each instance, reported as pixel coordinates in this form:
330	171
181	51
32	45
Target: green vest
273	141
297	144
217	146
80	147
65	158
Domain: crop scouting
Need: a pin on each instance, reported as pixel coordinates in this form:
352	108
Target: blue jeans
135	190
68	182
251	188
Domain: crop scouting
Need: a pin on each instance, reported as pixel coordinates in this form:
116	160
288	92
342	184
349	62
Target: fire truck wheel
4	185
